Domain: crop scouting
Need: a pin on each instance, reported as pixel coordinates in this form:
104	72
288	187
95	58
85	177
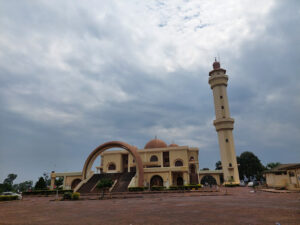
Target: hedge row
137	188
71	196
45	192
158	188
8	197
231	185
186	187
161	188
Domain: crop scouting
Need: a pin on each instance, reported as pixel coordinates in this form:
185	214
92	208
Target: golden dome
155	143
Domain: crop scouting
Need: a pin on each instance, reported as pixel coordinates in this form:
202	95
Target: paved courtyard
239	206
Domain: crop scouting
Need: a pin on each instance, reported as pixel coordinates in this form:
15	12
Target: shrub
75	196
67	196
45	192
231	185
158	188
136	188
192	186
176	188
8	197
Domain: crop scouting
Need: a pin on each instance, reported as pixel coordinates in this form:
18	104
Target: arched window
153	158
192	158
178	162
111	166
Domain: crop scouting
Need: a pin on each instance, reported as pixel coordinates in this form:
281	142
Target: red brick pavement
240	206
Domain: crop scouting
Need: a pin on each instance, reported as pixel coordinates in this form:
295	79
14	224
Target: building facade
159	164
285	176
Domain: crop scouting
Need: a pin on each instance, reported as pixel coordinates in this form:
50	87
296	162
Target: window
226	139
292	174
222	107
230	165
221	97
192	158
178	163
153	158
111	166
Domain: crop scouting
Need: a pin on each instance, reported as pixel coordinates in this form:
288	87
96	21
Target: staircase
89	186
123	182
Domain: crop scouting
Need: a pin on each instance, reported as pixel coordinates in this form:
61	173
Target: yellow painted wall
112	158
277	180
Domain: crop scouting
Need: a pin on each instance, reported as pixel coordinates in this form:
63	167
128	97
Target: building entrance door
156	181
179	181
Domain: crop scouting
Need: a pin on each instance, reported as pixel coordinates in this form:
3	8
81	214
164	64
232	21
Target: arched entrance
115	144
208	179
156	181
179	181
75	183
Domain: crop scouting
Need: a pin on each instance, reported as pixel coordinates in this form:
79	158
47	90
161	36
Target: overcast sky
75	74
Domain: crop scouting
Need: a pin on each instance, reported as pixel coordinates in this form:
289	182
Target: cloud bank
75	74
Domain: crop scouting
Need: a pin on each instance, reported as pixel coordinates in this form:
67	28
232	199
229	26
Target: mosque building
160	164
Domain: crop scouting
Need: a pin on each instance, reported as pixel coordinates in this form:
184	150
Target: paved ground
240	206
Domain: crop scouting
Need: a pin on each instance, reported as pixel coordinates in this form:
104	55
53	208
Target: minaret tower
224	123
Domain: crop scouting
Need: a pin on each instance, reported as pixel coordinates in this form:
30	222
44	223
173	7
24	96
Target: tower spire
224	123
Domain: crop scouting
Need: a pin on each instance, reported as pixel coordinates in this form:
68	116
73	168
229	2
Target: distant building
284	176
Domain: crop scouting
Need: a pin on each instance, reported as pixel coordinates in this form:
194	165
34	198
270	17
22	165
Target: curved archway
153	158
178	162
156	180
111	166
115	144
74	183
208	179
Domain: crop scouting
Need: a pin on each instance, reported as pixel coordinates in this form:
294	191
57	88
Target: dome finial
216	64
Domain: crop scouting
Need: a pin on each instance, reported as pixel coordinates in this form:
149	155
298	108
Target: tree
218	165
10	178
24	186
272	165
249	165
47	178
40	184
7	184
205	169
58	181
104	184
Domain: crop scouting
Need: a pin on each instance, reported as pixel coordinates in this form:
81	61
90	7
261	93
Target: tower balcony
217	80
224	124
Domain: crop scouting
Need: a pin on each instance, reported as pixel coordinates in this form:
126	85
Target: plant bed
136	189
8	197
46	192
158	188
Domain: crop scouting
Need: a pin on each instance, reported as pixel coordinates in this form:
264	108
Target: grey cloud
96	85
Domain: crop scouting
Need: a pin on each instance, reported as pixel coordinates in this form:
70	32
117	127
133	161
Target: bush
176	188
158	188
192	186
67	196
137	188
8	197
45	192
231	185
75	196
